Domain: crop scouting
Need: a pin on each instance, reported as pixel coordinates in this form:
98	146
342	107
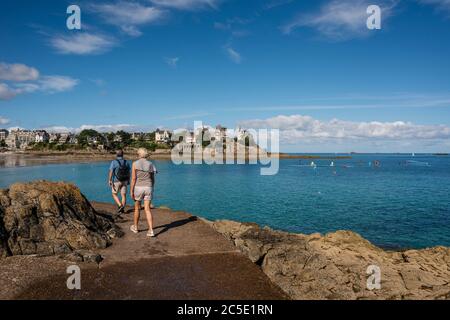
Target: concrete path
186	260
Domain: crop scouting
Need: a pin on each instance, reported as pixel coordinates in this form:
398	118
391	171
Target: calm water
394	205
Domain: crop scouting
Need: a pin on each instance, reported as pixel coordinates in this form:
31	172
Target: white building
162	136
139	136
220	134
12	141
189	138
64	138
72	139
20	139
93	140
3	134
241	134
53	137
41	136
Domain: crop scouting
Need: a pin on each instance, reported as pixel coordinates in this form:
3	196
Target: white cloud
233	54
4	121
295	128
24	79
99	128
188	4
54	84
172	62
58	129
340	19
108	127
46	84
82	43
6	93
15	128
17	72
128	16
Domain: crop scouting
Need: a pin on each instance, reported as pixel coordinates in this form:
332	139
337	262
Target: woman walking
142	175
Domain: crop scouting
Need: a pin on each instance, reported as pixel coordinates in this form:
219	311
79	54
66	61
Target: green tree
125	138
90	133
151	136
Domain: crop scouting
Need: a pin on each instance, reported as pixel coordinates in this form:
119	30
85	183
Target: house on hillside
12	141
135	136
162	136
64	138
41	136
20	139
220	134
53	137
3	134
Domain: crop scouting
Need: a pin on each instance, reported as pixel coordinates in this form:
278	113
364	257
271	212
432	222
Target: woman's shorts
143	193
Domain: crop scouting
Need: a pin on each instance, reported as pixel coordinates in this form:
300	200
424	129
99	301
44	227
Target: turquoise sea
402	203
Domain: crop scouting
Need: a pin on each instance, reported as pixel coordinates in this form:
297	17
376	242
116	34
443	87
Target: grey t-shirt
144	172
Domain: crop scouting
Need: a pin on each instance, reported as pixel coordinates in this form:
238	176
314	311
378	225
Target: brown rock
50	218
334	266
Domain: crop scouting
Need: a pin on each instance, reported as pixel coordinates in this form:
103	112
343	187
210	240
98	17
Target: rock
48	218
334	266
83	256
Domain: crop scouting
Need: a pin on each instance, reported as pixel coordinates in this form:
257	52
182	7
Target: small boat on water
417	163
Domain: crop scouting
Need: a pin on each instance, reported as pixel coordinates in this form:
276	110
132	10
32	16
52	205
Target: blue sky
310	68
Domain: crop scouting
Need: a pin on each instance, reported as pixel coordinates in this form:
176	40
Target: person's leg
137	213
124	195
153	190
148	214
115	190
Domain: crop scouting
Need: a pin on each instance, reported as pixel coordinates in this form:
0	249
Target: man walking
119	178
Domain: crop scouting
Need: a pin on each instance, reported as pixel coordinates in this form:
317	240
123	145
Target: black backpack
123	172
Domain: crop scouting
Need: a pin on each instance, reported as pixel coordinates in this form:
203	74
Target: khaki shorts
119	186
143	193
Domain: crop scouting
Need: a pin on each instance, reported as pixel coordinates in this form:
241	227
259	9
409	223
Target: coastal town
18	139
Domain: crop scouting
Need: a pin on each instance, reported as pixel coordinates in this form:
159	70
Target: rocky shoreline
335	265
50	218
43	224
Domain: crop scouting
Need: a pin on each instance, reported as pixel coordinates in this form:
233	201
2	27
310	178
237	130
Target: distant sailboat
413	154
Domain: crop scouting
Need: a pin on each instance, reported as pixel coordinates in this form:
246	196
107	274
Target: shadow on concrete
174	224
